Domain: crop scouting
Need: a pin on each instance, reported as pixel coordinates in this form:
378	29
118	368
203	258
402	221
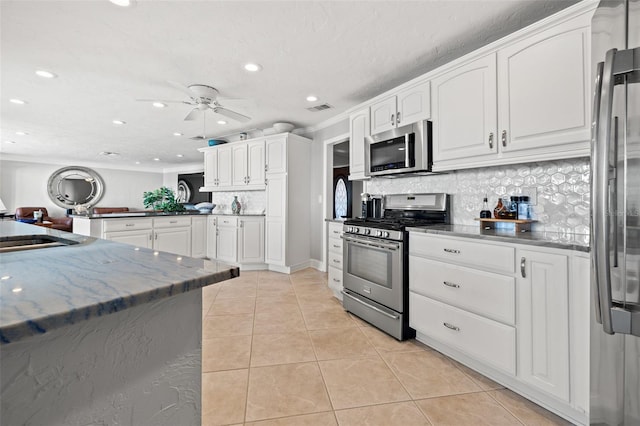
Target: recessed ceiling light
17	101
137	162
119	122
16	290
156	159
179	155
312	98
45	74
9	141
159	105
252	67
22	133
122	3
5	277
222	122
177	134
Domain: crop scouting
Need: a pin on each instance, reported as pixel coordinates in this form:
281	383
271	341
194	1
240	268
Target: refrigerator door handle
600	191
597	96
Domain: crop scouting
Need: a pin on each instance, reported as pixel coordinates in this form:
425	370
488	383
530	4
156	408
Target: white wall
25	184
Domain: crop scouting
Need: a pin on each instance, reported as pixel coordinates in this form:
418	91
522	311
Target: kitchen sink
32	242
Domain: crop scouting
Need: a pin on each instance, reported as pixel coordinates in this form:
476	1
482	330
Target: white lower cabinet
139	238
520	318
176	240
237	240
334	258
199	236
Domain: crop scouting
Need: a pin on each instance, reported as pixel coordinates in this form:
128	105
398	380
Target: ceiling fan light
177	134
222	122
251	67
179	155
17	101
119	122
156	159
21	133
159	105
312	98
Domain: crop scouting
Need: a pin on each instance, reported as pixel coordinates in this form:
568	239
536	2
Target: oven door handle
355	299
371	244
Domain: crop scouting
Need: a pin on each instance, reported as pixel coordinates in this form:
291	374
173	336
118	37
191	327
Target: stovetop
396	224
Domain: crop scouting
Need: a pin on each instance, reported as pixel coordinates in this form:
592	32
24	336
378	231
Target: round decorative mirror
75	186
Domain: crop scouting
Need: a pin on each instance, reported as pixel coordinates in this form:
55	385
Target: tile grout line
253	324
505	407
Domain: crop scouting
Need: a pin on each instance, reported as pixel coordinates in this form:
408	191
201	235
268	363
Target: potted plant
162	199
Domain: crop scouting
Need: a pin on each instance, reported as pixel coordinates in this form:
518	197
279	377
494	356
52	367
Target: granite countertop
577	242
159	214
336	220
48	288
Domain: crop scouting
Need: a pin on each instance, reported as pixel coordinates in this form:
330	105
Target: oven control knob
378	233
350	229
386	234
367	231
356	230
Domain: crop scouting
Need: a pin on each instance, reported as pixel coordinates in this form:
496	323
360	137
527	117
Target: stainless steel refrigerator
615	215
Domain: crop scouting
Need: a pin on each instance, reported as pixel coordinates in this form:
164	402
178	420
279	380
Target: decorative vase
235	205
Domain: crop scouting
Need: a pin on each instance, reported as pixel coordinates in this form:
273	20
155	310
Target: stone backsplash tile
253	202
562	191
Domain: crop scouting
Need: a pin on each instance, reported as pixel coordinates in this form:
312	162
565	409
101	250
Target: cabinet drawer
486	340
335	260
335	278
484	293
171	222
110	225
335	229
463	252
335	245
227	221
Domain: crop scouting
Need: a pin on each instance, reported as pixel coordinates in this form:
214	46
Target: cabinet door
383	115
544	90
255	164
251	240
173	240
543	322
198	236
140	238
414	104
227	243
358	132
210	167
224	166
275	230
239	169
276	155
212	240
465	111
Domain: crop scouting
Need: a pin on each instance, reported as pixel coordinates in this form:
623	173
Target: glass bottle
485	213
498	211
235	205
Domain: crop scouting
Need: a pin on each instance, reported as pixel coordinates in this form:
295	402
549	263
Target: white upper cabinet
358	133
406	107
543	90
527	101
276	155
234	166
465	111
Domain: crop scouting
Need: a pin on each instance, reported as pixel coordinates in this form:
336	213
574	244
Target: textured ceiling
107	56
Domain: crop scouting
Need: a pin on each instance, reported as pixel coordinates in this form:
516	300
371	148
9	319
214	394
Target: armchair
59	223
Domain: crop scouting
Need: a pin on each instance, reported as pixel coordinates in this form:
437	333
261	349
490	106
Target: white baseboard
318	264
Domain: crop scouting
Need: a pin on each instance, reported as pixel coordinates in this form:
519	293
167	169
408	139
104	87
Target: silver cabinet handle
491	140
398	118
336	246
393	121
130	224
151	236
336	280
523	266
241	223
504	138
451	326
448	284
452	251
336	261
336	232
344	293
173	221
156	236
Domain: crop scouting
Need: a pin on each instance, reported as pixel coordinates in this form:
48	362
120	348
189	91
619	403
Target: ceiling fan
202	98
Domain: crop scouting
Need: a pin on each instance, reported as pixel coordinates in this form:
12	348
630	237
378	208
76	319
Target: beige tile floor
280	350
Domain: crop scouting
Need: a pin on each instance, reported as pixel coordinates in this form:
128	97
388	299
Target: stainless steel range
376	260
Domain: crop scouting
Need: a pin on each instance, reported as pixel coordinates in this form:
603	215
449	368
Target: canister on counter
524	207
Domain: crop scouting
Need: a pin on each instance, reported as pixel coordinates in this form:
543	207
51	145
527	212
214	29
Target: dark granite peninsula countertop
160	214
577	242
48	288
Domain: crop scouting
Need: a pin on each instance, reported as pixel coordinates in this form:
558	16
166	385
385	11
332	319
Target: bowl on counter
283	127
205	207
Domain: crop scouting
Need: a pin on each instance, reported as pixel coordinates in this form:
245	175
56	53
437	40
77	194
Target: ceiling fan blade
231	114
193	114
165	101
182	88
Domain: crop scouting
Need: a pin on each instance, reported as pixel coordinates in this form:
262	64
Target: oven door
373	269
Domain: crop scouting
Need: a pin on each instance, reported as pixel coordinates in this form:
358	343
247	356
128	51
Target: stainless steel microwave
404	149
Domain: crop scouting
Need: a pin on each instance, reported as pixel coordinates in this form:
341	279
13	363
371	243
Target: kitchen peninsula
98	332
